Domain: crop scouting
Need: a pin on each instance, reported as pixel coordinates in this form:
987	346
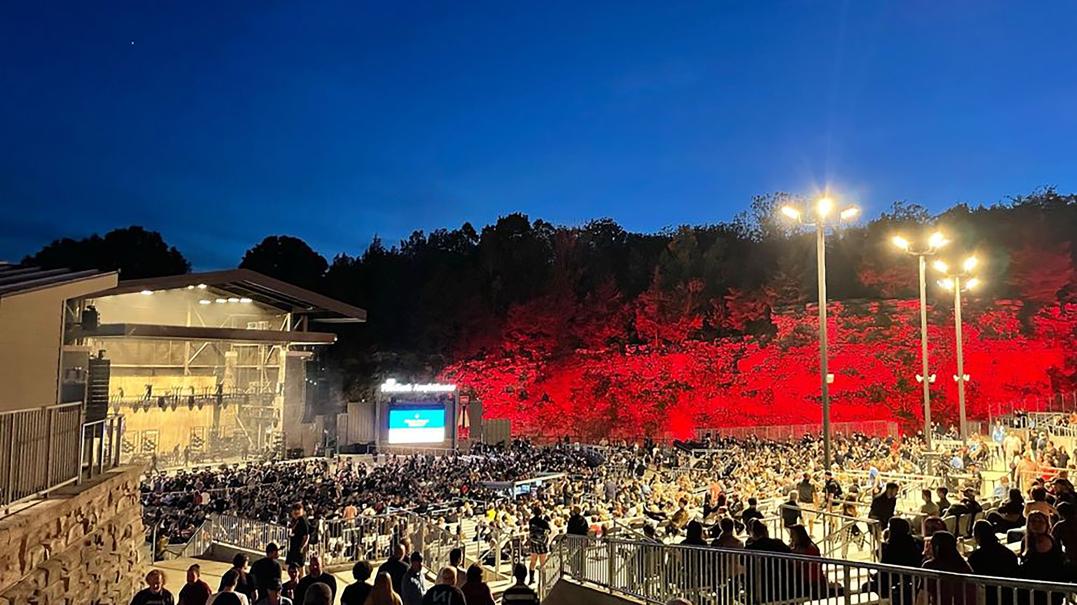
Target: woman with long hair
800	543
946	558
476	590
383	593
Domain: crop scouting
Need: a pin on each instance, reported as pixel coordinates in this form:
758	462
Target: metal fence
873	428
39	451
655	573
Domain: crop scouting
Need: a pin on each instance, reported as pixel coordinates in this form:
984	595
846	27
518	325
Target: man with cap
266	570
271	594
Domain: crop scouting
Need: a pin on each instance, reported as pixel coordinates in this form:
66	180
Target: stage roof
202	333
256	286
20	279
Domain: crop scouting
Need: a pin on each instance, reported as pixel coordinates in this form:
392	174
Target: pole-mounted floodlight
823	213
933	243
957	281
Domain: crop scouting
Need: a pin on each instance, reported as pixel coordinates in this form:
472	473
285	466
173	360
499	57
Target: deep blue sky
228	121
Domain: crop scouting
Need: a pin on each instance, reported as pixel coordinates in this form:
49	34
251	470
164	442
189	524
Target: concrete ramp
567	592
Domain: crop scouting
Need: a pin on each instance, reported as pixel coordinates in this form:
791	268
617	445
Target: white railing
789	432
655	573
246	533
39	451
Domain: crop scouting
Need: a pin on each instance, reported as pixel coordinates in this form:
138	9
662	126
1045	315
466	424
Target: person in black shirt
356	594
883	506
992	559
244	585
538	539
315	576
519	593
831	491
395	567
288	588
299	538
791	511
266	570
577	524
155	592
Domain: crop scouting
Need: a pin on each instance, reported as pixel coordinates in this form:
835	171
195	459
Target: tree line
436	296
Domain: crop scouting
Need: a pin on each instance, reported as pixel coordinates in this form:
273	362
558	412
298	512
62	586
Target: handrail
654	573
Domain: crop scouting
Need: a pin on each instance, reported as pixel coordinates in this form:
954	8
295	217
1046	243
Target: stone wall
83	545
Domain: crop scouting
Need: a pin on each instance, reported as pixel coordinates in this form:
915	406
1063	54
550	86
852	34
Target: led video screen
417	425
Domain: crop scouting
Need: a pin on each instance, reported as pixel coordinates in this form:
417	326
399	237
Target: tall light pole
936	241
823	211
957	281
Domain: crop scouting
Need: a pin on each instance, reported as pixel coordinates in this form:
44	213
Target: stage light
204	301
947	283
201	286
220	301
791	212
233	300
900	242
245	300
969	264
972	282
146	292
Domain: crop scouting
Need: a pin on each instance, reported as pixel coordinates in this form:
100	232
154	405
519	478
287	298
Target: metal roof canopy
201	333
256	286
19	279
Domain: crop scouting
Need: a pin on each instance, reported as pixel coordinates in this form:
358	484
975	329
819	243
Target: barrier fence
39	451
655	573
788	432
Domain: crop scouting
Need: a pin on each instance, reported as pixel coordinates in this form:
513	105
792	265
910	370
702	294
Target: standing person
1064	531
456	561
413	589
883	507
519	593
155	592
299	537
357	593
267	569
538	539
195	591
315	576
395	567
271	594
383	593
228	587
445	591
577	523
288	589
752	512
243	586
476	591
806	497
791	514
833	492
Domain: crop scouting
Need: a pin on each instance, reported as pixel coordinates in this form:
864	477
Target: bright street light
935	241
957	282
824	206
940	266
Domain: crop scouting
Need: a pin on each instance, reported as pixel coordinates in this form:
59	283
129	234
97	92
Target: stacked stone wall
85	545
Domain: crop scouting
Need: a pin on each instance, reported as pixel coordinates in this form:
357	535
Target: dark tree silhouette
288	259
134	251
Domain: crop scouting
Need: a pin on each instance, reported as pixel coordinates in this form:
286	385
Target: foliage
134	251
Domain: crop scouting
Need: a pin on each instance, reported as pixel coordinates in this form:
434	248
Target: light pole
936	241
957	281
824	211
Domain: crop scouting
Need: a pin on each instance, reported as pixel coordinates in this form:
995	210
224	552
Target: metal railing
655	573
788	432
39	451
246	533
100	445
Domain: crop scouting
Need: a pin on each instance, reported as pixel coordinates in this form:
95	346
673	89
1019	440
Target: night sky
220	123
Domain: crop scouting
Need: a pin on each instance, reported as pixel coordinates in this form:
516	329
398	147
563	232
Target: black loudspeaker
98	374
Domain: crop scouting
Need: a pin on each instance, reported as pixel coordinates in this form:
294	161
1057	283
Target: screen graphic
417	425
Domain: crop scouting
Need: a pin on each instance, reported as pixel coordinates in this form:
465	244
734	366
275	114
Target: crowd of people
680	494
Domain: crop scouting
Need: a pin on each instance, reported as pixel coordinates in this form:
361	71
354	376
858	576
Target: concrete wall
85	545
31	339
